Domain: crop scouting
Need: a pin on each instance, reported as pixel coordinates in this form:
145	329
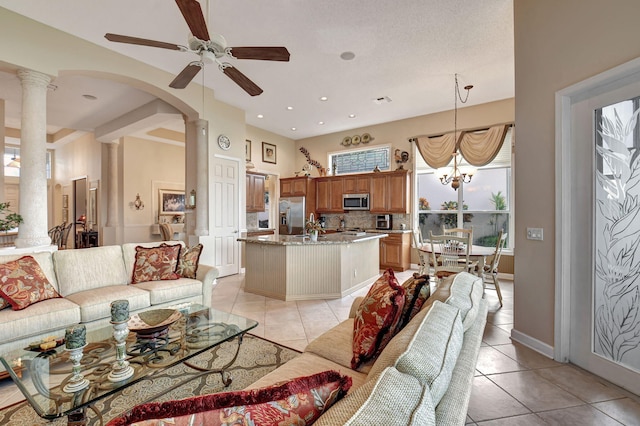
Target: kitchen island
292	267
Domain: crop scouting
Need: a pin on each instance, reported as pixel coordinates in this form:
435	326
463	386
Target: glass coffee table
41	376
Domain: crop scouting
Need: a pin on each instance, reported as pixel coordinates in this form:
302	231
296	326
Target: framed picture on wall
268	153
172	202
65	214
247	150
65	201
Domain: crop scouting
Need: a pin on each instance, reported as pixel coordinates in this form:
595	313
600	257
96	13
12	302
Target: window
486	201
360	160
12	162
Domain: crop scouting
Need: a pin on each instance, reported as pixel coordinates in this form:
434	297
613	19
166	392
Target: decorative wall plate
365	138
346	141
355	140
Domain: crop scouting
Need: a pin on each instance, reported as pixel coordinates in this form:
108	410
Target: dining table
476	254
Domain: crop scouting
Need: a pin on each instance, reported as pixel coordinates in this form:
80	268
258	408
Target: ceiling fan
211	49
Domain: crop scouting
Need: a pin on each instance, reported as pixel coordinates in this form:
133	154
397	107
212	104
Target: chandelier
456	174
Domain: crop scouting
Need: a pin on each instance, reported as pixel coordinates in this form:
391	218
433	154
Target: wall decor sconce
191	203
138	204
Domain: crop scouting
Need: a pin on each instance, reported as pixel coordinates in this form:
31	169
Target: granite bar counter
292	267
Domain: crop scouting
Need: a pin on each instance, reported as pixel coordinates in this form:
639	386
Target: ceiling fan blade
261	53
243	81
186	75
141	41
192	13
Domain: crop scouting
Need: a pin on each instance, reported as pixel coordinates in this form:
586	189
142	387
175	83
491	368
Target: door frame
564	100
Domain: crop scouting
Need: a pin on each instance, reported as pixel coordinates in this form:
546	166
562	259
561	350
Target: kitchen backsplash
362	219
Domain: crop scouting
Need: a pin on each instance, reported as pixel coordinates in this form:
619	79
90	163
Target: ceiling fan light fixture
208	57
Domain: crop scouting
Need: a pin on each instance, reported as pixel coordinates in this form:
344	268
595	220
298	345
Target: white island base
323	270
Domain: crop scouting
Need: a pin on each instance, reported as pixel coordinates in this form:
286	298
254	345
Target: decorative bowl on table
153	321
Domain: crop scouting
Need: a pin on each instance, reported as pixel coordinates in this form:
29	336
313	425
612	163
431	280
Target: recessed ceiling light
321	122
352	116
289	108
324	98
90	97
347	56
294	129
260	116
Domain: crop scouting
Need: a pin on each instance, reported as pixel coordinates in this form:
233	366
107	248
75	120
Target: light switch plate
534	234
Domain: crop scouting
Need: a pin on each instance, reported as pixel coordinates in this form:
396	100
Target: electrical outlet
534	234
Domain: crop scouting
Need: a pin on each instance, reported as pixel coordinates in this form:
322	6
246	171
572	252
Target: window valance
478	147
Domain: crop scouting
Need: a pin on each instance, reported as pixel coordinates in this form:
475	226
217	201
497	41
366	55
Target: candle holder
120	370
77	381
75	340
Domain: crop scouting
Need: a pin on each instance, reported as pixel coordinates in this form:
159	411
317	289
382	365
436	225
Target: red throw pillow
188	262
297	402
156	263
22	283
417	291
376	318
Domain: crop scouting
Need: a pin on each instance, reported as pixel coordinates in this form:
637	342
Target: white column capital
33	78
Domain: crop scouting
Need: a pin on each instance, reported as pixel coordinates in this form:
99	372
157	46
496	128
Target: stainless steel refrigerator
291	218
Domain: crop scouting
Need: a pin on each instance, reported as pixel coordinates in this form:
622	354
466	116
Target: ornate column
112	185
2	134
33	160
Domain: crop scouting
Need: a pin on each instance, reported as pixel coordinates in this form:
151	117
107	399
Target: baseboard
532	343
505	276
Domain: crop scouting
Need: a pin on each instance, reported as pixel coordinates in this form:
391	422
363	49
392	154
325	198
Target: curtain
437	151
478	147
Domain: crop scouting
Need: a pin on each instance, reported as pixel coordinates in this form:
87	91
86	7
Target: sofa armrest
355	305
207	274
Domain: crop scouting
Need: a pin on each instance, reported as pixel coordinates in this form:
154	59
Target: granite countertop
390	231
337	238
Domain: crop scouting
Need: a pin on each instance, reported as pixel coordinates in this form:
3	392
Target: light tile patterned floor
514	385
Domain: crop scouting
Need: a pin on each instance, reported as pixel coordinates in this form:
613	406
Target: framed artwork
65	215
268	153
247	150
172	202
65	201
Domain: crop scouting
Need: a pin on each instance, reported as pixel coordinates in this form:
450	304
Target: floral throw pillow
416	292
299	401
188	262
156	263
377	318
22	283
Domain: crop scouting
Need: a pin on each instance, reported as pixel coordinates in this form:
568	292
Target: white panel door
605	234
225	215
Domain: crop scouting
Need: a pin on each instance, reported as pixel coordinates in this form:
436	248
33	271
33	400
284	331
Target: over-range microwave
355	201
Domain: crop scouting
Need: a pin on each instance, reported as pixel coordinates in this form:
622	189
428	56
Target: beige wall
285	152
557	44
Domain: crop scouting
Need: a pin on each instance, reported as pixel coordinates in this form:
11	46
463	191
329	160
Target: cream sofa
422	377
88	281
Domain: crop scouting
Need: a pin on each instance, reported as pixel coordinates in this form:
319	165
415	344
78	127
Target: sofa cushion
391	398
171	290
432	352
22	283
376	318
466	293
416	292
305	364
156	263
45	261
87	269
50	315
129	255
188	261
96	304
299	401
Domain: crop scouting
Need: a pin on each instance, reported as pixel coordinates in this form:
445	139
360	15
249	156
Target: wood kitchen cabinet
356	184
297	187
255	192
395	252
329	195
390	192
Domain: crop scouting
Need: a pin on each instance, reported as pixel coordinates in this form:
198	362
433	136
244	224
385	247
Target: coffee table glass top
41	376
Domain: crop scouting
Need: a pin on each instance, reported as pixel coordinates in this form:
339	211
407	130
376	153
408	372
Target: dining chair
167	231
64	235
417	244
490	269
460	232
450	254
